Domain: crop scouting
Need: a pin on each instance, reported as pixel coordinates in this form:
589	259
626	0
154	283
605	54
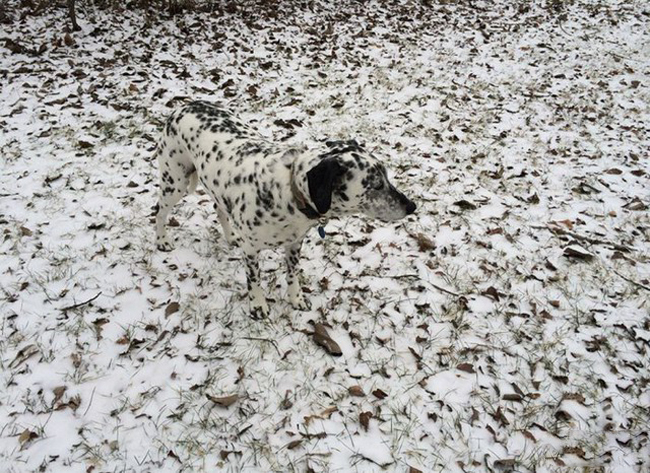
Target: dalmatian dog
266	195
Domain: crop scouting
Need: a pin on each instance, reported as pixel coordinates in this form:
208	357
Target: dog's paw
259	310
299	302
163	244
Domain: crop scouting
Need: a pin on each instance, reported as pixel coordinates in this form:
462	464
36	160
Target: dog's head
348	180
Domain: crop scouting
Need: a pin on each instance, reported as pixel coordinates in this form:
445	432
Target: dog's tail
194	180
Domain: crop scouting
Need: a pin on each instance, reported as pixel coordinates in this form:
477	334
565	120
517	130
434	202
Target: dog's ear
321	180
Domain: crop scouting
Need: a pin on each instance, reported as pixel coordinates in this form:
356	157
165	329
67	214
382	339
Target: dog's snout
410	207
408	204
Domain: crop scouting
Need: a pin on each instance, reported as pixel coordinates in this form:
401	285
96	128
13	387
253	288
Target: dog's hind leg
176	179
225	226
292	257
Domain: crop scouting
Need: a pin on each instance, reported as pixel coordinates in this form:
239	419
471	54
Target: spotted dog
265	195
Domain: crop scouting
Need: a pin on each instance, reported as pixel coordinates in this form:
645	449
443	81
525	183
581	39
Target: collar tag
322	221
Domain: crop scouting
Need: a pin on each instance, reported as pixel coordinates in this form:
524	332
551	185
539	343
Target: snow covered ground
505	326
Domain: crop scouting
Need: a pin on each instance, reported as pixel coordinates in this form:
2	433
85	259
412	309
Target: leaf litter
521	130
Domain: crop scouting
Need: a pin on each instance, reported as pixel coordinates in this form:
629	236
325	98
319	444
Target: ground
505	326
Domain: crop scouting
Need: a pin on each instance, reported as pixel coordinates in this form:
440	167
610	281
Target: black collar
310	212
301	202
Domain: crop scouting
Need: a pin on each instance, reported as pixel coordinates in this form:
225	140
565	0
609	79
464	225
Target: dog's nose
410	207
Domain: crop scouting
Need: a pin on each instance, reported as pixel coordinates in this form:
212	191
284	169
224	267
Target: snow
521	130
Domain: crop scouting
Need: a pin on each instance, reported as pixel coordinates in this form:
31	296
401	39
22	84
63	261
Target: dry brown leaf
225	401
505	464
492	293
58	393
322	338
364	419
171	308
474	416
26	436
424	242
356	391
574	397
467	367
577	252
528	435
293	444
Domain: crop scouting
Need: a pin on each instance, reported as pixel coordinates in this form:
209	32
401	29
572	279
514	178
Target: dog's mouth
396	208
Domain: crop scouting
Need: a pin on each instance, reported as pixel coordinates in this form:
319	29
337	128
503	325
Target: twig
92	396
272	342
638	284
368	459
82	303
443	289
402	276
415	276
593	241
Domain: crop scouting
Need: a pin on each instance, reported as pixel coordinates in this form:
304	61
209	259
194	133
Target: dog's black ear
321	180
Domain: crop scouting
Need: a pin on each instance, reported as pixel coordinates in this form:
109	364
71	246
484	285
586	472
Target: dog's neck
302	162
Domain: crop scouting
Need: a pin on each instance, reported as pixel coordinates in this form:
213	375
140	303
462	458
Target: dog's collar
304	206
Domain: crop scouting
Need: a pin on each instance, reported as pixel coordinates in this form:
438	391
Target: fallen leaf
577	451
356	391
364	419
498	415
575	251
171	308
224	453
424	242
26	436
225	401
474	416
492	293
574	397
467	367
528	435
58	393
635	204
326	414
293	444
379	394
322	338
507	463
465	205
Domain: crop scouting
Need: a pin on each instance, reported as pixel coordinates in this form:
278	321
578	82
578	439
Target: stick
638	284
593	241
82	303
401	276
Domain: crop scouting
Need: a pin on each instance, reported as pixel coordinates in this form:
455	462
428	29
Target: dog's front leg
259	306
292	257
